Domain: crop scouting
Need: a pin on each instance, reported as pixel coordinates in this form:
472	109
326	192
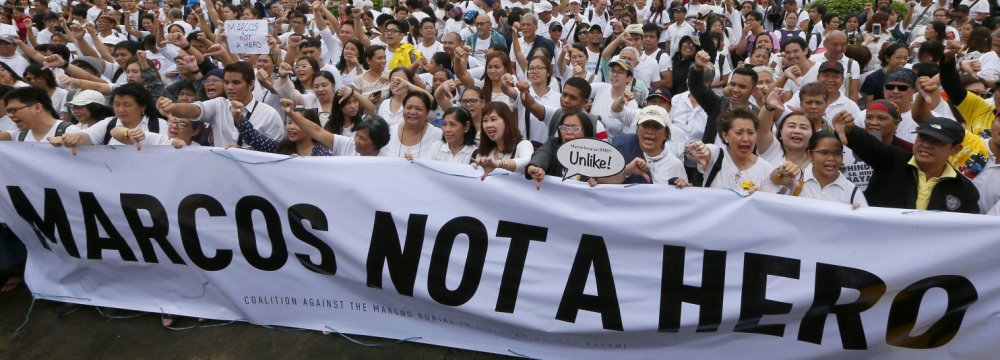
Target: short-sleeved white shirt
52	133
422	150
98	130
464	155
840	190
216	113
731	177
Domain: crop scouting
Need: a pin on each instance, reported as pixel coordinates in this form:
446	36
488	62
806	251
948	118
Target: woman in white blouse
822	179
501	144
414	137
458	141
736	166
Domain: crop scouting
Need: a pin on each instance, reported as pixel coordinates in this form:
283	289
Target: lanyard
239	140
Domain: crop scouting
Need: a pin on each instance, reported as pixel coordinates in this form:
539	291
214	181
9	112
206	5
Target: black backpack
153	125
60	130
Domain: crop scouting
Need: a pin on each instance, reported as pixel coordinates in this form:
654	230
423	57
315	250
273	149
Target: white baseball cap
654	113
86	97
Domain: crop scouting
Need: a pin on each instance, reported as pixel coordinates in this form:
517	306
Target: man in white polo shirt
218	112
836	44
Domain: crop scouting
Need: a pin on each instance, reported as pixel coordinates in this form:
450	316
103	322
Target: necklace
399	153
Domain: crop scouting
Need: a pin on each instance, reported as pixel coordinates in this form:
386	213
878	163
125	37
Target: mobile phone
877	29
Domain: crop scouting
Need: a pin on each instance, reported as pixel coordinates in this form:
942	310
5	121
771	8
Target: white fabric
840	190
988	183
756	236
424	149
216	113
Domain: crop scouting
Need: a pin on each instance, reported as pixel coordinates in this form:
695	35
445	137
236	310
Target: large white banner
389	248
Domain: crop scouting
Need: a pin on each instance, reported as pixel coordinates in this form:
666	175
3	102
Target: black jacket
894	181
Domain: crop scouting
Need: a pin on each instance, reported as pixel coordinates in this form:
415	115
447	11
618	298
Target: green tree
845	8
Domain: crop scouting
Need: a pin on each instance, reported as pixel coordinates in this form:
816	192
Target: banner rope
98	308
425	166
27	317
345	336
229	156
204	290
522	355
175	328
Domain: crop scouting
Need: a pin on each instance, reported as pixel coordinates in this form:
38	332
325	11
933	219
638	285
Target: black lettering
317	220
830	279
55	219
754	303
708	297
402	260
248	237
903	313
521	235
146	235
187	221
95	243
592	252
474	261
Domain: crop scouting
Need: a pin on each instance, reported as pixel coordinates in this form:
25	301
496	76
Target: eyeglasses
829	153
483	23
391	31
469	101
179	124
12	110
570	128
536	69
897	87
619	72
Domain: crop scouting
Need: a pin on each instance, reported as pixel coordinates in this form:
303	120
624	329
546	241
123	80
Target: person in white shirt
10	56
990	62
134	117
30	109
458	142
822	178
836	44
428	44
414	137
831	76
677	30
597	15
219	113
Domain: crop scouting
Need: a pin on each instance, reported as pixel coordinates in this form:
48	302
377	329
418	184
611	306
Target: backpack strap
117	75
715	169
853	193
61	128
107	130
23	134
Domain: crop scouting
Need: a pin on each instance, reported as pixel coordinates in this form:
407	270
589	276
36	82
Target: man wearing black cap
831	76
923	180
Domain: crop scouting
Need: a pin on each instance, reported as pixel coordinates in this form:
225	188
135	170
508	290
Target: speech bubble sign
247	36
590	157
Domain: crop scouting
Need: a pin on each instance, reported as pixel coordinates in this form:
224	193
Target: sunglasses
897	87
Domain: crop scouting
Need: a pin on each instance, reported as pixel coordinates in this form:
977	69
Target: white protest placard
590	157
247	36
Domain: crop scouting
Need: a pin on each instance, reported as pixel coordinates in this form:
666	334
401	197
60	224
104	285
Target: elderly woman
645	152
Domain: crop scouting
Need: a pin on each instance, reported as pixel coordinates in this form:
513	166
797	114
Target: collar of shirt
949	172
809	176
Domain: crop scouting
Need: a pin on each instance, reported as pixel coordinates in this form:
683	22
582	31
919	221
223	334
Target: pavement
86	334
